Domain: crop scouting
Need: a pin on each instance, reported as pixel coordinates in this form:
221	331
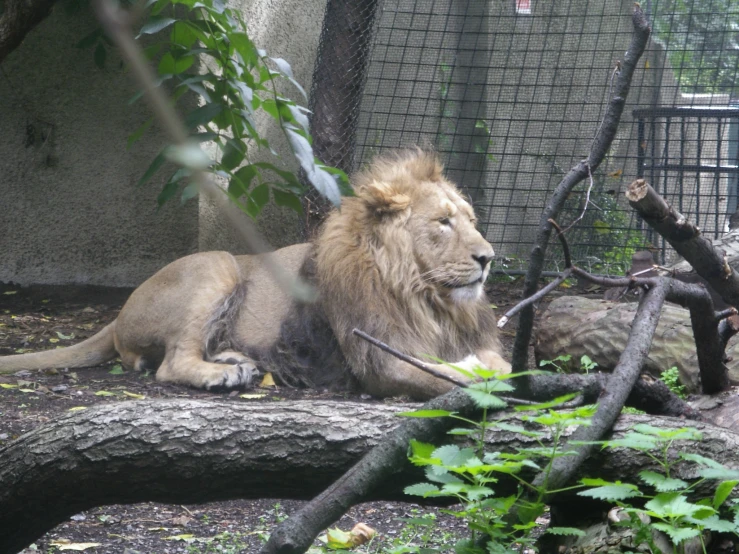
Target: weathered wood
686	239
580	326
188	451
621	82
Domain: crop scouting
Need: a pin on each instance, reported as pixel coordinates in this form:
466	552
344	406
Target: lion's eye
445	221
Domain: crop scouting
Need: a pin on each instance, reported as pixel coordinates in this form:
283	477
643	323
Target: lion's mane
364	268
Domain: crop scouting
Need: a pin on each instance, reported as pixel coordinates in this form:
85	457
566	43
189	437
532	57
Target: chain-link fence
511	92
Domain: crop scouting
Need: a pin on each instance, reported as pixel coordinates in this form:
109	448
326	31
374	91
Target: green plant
468	475
561	364
671	378
670	509
209	53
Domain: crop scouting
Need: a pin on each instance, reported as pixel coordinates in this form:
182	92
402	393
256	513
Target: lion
401	260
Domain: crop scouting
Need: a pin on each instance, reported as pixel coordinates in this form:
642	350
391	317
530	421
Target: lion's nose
483	258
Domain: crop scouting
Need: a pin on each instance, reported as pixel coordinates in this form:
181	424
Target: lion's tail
97	349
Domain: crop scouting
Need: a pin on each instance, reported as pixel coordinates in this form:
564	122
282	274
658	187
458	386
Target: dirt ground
37	318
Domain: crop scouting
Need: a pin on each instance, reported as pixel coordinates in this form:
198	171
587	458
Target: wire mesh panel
511	92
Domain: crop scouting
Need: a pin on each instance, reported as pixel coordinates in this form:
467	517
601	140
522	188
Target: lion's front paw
233	376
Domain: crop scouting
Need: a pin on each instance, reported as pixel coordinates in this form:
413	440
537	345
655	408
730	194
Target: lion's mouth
456	285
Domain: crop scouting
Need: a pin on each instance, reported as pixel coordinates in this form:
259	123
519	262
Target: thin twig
408	359
587	198
427	368
563	242
541	293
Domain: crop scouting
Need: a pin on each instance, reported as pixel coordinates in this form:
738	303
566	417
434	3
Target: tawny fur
401	260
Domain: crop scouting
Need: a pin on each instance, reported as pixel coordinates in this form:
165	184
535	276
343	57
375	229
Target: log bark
17	18
580	326
686	239
194	451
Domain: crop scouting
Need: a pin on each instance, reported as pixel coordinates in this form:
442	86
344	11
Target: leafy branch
237	86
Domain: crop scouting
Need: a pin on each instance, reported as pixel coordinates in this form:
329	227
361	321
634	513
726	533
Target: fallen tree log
579	326
195	451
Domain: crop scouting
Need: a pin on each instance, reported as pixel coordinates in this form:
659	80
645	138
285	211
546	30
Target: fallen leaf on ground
341	540
66	544
134	395
252	396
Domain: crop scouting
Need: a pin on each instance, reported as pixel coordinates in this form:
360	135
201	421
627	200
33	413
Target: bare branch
601	143
685	238
408	359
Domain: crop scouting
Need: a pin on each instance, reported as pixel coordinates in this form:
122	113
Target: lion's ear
383	198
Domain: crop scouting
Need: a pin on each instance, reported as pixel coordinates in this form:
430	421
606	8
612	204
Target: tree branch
620	385
600	146
686	239
17	19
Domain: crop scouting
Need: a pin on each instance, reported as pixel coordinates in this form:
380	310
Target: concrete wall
72	213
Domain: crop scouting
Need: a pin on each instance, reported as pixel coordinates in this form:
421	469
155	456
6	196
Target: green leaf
286	71
202	115
155	24
117	369
546	405
287	199
662	483
241	180
90	39
258	197
168	192
233	154
189	155
422	489
566	531
702	460
138	133
485	400
722	492
636	441
453	456
190	191
677	534
612	492
168	65
421	449
720	474
437	473
245	47
321	180
425	413
100	55
183	34
156	163
715	523
671	505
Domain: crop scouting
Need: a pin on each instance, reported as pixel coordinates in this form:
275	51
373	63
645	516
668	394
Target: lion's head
403	260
